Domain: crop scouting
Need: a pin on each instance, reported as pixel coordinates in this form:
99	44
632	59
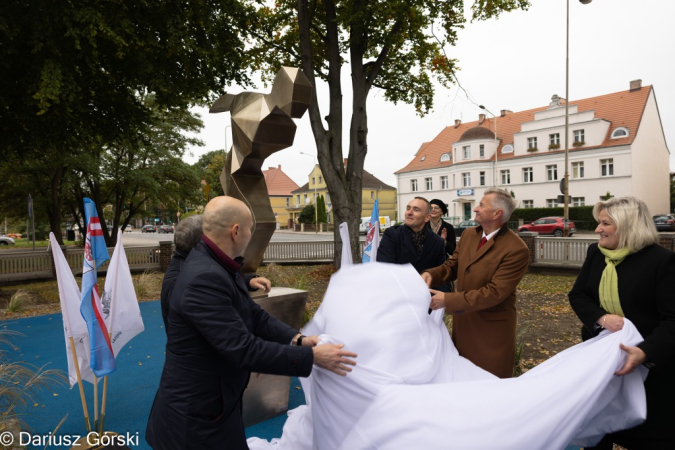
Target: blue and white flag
373	236
102	360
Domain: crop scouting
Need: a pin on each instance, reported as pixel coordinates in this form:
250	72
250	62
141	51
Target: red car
549	225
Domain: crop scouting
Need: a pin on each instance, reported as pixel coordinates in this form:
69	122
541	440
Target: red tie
482	242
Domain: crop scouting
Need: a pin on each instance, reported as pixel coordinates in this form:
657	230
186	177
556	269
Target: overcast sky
516	63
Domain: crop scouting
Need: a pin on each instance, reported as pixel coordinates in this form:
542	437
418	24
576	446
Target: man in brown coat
488	264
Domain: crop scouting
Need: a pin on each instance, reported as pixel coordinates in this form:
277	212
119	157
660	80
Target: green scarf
609	283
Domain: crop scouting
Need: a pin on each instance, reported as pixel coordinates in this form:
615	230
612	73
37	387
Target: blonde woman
628	275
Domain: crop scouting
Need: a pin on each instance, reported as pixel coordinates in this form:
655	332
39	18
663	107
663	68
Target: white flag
346	246
73	324
119	304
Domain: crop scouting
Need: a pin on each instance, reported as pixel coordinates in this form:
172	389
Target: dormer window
620	132
445	157
508	148
423	158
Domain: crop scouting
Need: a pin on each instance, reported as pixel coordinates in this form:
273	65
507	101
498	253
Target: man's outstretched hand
332	357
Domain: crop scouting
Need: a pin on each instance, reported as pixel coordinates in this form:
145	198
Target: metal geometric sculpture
262	124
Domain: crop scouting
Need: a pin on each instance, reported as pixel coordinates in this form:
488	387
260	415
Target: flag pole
103	401
95	402
79	383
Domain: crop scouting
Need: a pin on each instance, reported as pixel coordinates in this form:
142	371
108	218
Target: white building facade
616	147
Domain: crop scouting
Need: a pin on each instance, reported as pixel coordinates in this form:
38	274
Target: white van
385	223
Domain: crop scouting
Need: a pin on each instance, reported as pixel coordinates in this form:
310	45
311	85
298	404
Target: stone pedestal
267	395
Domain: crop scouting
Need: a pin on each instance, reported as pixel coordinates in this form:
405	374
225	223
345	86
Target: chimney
481	119
271	168
279	167
505	112
457	122
636	85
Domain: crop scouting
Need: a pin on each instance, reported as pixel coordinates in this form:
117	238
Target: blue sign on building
464	192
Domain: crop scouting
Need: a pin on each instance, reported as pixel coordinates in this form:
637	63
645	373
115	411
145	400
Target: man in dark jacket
216	336
414	242
186	237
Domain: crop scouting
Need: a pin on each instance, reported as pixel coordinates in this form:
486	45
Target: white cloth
121	312
411	389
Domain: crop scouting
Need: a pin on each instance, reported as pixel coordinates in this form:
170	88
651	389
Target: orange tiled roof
621	109
278	183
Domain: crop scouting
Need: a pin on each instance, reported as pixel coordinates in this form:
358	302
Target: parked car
664	222
463	225
129	227
148	229
5	240
165	229
549	225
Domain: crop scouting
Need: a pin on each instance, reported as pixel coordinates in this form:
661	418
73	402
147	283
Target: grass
19	300
19	383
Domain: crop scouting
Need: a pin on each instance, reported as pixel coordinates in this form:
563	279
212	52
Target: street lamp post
316	210
566	193
496	179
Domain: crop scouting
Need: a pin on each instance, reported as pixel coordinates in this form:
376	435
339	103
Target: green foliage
321	210
77	69
582	216
209	167
307	214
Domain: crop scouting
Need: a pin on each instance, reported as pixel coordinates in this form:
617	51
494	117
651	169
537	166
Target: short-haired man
218	336
187	235
488	264
413	242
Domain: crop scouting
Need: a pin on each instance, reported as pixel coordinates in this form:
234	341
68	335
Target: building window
429	183
313	180
466	179
288	202
620	132
372	195
413	185
579	136
551	202
423	158
482	178
578	201
481	151
467	151
444	182
607	167
531	142
306	199
552	173
506	176
445	157
554	139
298	197
578	170
528	203
320	180
508	148
527	175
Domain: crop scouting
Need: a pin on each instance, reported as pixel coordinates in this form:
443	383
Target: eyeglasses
435	208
